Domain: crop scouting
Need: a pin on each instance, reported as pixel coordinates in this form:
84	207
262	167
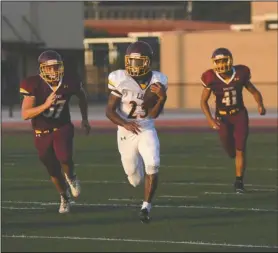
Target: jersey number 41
229	98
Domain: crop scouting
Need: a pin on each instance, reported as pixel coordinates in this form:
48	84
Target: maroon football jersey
58	114
228	93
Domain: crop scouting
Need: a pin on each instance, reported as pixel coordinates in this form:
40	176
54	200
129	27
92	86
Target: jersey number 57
55	110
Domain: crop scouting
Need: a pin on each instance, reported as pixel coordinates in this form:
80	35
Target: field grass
195	207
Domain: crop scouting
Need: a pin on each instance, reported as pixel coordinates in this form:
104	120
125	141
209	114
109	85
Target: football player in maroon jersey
226	81
46	103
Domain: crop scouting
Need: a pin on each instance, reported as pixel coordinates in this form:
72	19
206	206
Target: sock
239	178
72	178
64	195
146	205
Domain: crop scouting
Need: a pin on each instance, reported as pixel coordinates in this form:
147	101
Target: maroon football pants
55	148
233	132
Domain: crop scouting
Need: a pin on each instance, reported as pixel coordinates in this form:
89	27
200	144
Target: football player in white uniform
138	142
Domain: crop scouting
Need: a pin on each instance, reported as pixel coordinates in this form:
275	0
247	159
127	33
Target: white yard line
163	196
251	209
261	190
222	193
141	241
123	199
185	166
267	187
185	155
21	208
178	197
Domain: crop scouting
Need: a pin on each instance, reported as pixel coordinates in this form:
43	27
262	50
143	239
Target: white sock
146	205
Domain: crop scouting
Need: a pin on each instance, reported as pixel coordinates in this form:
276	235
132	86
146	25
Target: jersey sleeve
78	86
160	78
247	72
114	84
27	88
206	80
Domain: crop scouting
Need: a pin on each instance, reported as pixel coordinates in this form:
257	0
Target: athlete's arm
257	96
28	111
83	106
206	110
161	93
112	105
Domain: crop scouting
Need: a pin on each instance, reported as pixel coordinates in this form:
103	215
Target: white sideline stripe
141	241
252	209
274	187
21	208
163	166
182	197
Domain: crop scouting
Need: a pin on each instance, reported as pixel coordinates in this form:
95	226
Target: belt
229	112
45	131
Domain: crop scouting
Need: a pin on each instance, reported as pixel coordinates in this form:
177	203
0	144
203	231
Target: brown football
150	98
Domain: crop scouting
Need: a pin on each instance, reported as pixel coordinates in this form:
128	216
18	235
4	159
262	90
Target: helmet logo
219	56
135	55
51	62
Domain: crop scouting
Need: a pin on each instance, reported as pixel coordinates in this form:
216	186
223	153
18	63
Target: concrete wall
59	24
263	7
185	56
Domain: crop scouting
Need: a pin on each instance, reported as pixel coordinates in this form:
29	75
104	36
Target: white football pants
139	152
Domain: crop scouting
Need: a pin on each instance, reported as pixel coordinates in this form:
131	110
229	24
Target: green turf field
195	206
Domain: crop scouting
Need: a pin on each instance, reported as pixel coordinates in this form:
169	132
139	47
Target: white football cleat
74	185
64	206
68	192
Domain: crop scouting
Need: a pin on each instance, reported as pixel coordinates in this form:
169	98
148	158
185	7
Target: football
150	98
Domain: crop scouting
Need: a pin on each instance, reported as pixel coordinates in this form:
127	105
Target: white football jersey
131	94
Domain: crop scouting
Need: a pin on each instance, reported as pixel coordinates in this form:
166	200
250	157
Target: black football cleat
144	215
239	187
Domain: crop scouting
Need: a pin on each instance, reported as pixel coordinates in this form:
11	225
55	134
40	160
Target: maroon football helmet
138	59
51	66
222	60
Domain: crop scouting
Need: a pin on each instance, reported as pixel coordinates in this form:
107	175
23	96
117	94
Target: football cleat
74	185
68	192
65	205
144	215
239	187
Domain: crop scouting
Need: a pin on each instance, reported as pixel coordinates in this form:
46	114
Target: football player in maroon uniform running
46	103
226	81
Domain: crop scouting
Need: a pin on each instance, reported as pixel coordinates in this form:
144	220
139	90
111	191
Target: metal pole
189	9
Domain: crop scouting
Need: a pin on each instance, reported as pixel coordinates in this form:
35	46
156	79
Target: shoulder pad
207	78
159	77
28	85
115	78
244	71
73	81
